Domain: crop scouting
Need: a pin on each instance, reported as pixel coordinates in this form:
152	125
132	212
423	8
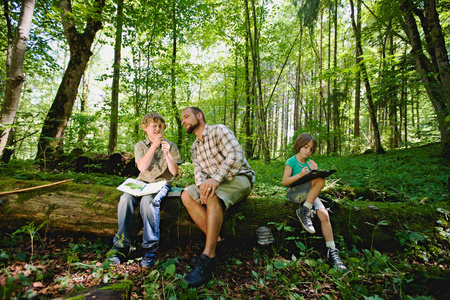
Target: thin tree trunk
235	94
376	133
224	122
328	109
392	95
113	126
321	67
83	100
173	78
255	97
336	100
16	77
137	91
262	112
405	119
248	145
55	123
298	75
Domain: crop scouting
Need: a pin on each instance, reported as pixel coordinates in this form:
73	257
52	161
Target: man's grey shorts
298	194
230	192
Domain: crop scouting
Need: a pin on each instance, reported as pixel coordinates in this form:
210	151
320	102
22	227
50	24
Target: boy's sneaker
202	271
120	256
148	260
334	260
304	214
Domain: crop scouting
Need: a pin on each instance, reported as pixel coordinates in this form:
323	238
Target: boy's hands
158	139
165	147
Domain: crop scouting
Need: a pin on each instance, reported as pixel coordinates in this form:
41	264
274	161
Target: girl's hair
304	139
153	117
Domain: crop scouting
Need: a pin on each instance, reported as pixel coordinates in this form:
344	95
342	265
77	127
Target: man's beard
191	128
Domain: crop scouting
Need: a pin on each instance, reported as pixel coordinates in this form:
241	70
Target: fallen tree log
92	209
34	187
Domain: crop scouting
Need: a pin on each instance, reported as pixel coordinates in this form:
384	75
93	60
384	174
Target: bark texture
435	70
55	123
16	76
92	209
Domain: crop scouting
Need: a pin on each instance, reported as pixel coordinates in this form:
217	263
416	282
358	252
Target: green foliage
292	269
32	231
416	175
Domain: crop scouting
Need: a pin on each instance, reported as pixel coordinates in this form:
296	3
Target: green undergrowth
414	174
409	175
288	269
267	272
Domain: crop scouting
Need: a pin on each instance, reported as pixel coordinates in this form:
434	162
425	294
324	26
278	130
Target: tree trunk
83	101
55	123
9	36
373	119
436	86
113	126
90	209
262	112
173	78
235	94
253	94
356	124
248	145
298	72
336	100
16	76
328	101
321	68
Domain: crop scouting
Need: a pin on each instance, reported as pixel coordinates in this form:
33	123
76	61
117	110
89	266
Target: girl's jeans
150	213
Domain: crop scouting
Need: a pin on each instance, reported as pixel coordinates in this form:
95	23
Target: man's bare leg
214	220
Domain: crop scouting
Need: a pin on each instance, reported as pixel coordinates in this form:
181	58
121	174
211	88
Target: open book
139	188
311	175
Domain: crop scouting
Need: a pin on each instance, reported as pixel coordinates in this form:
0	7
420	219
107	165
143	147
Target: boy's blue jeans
150	213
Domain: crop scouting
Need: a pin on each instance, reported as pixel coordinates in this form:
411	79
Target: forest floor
62	265
38	265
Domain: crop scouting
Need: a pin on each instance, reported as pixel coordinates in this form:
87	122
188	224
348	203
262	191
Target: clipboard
311	175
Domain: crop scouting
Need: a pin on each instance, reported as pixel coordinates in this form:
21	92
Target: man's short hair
197	110
152	117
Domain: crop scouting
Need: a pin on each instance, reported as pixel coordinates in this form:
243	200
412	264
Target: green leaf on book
134	186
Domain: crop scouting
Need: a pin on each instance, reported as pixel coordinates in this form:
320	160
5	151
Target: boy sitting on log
157	159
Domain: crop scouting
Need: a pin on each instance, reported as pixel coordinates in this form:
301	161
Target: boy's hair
304	139
153	117
197	110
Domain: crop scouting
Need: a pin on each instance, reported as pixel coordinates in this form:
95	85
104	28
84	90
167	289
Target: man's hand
208	190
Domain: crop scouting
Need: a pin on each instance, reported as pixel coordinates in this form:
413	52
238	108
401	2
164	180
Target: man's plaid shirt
219	156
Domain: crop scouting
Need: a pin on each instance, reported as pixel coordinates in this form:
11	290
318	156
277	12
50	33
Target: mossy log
92	209
120	290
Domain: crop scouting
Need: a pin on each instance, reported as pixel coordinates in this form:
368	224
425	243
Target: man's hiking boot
304	214
222	253
120	256
202	271
334	260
